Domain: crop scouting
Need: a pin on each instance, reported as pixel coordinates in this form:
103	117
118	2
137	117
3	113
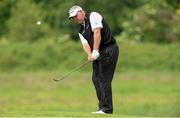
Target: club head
55	79
58	79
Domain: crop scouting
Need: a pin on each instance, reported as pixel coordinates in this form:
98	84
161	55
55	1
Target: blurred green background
147	79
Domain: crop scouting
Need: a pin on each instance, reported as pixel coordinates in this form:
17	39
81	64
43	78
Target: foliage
149	56
23	26
154	22
64	54
5	14
142	20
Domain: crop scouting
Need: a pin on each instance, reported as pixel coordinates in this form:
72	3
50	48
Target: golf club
67	74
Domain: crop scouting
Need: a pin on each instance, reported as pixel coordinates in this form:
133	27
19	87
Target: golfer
101	48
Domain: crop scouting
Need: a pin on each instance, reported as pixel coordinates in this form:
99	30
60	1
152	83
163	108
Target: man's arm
87	48
97	38
96	25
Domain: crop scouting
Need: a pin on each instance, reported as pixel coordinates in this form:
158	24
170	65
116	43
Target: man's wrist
95	54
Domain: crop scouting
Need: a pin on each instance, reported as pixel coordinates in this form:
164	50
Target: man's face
79	18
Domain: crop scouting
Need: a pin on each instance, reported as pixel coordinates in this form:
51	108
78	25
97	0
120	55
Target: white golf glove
95	54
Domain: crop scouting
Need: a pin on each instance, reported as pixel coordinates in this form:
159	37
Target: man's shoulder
94	13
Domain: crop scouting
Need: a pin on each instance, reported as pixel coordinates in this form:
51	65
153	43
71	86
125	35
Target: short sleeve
95	20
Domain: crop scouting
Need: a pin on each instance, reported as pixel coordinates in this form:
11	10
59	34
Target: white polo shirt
95	20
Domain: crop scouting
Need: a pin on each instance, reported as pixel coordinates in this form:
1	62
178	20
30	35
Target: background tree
154	22
5	13
142	20
23	22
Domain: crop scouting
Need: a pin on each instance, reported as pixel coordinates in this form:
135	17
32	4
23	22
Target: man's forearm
97	38
87	48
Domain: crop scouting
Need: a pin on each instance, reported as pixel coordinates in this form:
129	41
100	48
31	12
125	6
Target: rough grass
134	93
52	55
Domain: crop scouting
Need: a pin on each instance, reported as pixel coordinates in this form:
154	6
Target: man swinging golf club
101	48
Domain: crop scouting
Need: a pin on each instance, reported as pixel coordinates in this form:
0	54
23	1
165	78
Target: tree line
138	20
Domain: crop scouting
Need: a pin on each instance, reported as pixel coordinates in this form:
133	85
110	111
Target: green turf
134	94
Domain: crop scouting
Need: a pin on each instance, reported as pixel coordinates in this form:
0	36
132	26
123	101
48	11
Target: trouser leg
96	82
103	75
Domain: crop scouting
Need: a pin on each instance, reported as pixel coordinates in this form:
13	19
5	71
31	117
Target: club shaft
76	68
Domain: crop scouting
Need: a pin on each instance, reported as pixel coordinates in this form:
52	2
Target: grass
52	55
143	93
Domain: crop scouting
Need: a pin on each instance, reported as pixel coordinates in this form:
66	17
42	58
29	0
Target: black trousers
103	71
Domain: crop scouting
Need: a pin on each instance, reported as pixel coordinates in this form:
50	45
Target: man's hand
93	56
90	58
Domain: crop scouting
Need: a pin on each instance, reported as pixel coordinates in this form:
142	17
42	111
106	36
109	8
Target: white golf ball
38	22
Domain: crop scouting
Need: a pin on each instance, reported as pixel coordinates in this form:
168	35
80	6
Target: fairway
50	50
134	94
